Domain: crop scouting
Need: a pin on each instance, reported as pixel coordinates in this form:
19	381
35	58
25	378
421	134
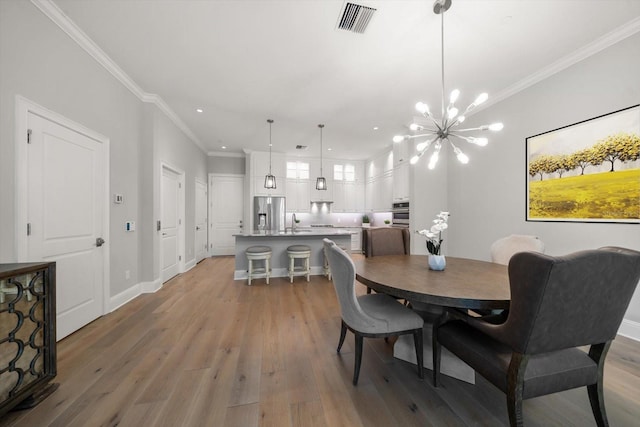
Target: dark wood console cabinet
27	334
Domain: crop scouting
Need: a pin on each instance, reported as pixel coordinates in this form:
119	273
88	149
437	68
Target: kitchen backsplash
339	219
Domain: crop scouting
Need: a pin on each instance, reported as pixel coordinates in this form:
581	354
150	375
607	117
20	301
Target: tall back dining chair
558	304
503	249
385	241
371	315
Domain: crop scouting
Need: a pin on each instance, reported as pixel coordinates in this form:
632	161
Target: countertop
301	232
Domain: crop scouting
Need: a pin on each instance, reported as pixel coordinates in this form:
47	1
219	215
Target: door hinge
29	132
28	229
179	257
179	185
180	222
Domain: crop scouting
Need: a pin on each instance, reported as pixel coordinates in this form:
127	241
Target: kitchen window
344	172
298	170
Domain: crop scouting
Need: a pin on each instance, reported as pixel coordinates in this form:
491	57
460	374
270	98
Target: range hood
321	201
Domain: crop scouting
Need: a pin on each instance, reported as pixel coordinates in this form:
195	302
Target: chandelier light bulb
423	146
496	127
454	96
414	159
433	161
462	158
398	138
461	119
422	108
452	112
480	141
414	126
481	99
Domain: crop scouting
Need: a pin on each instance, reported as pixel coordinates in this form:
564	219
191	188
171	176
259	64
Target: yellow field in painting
607	195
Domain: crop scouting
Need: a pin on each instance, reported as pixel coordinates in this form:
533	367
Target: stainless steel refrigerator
269	213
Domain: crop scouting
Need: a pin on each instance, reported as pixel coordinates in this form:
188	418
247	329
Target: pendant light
321	182
270	180
439	132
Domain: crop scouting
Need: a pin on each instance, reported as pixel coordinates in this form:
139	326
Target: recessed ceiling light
329	149
199	110
224	147
375	128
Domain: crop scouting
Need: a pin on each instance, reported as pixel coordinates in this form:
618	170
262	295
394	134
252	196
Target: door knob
99	241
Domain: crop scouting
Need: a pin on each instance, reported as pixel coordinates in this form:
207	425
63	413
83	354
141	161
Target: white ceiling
245	61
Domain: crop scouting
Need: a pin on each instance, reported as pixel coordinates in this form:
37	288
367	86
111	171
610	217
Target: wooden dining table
464	284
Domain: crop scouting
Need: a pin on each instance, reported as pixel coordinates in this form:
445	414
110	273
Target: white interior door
227	193
201	221
170	224
66	202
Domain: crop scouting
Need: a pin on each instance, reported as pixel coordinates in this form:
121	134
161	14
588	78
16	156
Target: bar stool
258	253
302	252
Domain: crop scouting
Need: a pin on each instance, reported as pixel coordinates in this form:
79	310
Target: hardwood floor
209	351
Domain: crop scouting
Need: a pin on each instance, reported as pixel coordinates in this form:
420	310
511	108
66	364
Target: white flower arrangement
434	235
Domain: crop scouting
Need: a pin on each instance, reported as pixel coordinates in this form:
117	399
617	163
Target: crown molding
630	28
58	17
225	154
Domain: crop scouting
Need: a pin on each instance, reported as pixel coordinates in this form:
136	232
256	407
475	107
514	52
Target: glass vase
437	262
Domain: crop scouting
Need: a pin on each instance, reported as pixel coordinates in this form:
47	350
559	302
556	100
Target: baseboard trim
630	329
150	287
189	265
123	297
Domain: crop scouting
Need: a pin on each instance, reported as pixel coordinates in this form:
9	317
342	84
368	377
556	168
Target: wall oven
400	214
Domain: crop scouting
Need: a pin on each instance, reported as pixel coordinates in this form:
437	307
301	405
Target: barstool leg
250	272
306	266
267	269
292	264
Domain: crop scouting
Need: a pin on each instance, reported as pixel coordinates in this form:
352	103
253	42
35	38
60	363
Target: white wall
487	196
40	62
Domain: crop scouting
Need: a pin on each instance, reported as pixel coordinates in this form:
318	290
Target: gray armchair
557	305
371	315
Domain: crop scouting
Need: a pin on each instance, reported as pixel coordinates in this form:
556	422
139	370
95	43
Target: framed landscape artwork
586	172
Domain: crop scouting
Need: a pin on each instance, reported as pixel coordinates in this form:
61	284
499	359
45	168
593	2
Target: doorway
201	243
62	210
171	222
226	211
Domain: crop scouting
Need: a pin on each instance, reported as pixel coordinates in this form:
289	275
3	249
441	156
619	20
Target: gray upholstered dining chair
504	248
382	241
557	305
371	315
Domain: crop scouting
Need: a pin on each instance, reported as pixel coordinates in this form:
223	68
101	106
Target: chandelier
270	179
440	131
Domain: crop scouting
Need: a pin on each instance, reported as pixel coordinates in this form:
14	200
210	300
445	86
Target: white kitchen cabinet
259	164
401	153
298	195
401	182
383	191
348	197
379	183
356	240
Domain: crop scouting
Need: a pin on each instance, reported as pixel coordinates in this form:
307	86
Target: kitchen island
279	241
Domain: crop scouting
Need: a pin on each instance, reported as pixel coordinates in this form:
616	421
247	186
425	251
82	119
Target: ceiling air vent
301	147
355	17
